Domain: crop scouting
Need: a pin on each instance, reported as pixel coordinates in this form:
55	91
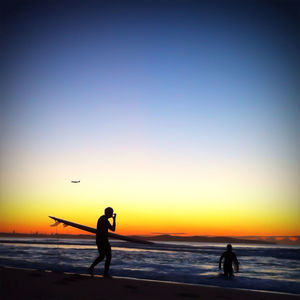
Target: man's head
229	247
108	212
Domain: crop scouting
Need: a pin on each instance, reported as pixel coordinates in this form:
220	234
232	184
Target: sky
181	115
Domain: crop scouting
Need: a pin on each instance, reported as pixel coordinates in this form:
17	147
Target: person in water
102	242
229	258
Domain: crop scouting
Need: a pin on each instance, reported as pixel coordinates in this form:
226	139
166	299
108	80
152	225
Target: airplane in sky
75	181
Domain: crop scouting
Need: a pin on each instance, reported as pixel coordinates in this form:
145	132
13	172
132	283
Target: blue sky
201	82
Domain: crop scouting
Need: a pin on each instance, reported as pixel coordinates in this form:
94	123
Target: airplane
75	181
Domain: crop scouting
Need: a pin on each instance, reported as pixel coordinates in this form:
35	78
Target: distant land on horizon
204	239
264	240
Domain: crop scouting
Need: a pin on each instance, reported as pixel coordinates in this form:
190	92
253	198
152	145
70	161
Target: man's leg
108	259
97	260
226	271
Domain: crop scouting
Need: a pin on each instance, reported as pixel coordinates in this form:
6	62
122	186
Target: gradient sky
181	115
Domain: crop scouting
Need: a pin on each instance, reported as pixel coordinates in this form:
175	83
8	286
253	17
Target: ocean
262	267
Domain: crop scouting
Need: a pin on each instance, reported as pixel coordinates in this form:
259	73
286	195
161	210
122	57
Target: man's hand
113	228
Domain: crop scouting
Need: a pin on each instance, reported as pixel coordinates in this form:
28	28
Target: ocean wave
278	253
261	268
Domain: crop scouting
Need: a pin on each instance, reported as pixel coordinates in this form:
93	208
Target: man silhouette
102	240
229	258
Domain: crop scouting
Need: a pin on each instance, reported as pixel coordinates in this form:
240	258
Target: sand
33	284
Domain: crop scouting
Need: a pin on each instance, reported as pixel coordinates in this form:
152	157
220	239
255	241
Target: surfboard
235	266
93	230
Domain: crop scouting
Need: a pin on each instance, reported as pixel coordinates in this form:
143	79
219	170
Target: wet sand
33	284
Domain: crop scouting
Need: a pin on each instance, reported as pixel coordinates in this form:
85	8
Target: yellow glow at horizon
150	194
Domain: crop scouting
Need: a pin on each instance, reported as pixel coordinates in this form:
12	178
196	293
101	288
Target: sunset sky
181	115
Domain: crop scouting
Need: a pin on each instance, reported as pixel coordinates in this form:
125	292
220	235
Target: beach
35	284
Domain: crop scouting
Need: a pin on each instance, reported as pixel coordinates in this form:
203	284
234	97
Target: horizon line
170	234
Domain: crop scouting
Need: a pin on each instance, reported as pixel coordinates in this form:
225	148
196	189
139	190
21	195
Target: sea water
262	267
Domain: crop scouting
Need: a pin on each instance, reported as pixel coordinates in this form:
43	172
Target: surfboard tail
75	225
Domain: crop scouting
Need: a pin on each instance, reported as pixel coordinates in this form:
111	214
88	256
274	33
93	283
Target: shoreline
16	283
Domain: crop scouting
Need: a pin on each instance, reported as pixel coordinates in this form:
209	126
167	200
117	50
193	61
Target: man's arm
220	260
99	225
113	226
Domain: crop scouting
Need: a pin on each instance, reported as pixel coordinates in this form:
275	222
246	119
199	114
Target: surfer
102	240
229	259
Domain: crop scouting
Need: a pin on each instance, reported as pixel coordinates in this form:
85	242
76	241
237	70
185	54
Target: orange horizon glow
184	229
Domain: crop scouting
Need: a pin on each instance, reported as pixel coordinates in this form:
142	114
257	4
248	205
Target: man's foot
106	275
91	271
